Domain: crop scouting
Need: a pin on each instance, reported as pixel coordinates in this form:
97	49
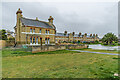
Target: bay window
40	31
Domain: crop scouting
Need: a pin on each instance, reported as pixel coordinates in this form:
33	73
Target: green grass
18	52
58	64
98	50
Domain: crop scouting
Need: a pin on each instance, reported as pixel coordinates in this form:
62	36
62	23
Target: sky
85	17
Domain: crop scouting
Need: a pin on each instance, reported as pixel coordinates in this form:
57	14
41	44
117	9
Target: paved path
94	52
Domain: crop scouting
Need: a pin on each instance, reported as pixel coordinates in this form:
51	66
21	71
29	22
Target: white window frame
48	32
40	31
31	40
48	40
45	31
36	40
45	40
31	30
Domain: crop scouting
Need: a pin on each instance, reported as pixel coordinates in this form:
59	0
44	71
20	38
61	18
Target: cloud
90	17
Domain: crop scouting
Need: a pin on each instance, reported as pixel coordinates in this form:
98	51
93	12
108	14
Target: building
36	32
72	37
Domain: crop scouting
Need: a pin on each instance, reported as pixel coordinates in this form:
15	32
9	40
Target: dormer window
40	30
34	30
31	30
46	31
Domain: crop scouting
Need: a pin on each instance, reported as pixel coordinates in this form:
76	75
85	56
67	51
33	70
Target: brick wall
47	48
6	43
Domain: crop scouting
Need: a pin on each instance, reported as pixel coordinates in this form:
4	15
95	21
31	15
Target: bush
96	42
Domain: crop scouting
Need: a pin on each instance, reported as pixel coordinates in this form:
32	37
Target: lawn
58	64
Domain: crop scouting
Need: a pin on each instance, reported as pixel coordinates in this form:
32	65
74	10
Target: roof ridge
44	22
34	20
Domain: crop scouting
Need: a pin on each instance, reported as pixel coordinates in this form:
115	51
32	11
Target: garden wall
56	47
47	48
77	46
6	43
2	44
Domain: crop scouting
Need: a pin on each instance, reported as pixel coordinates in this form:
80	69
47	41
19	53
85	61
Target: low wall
47	48
56	47
2	44
6	43
77	46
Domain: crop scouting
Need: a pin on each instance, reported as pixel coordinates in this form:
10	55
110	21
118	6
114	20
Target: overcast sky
85	17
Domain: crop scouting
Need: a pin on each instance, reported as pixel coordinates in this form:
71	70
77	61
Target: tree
109	38
3	35
12	39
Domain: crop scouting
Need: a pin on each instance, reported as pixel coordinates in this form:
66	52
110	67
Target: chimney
37	18
85	34
73	33
65	32
80	33
90	35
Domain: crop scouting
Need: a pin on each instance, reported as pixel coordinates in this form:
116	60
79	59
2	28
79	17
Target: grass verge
58	64
98	50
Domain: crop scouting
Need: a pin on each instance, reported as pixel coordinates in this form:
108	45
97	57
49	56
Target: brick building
72	37
34	32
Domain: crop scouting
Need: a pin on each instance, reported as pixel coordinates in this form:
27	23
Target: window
37	40
46	32
45	40
26	39
31	30
48	41
34	40
40	30
31	40
40	40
